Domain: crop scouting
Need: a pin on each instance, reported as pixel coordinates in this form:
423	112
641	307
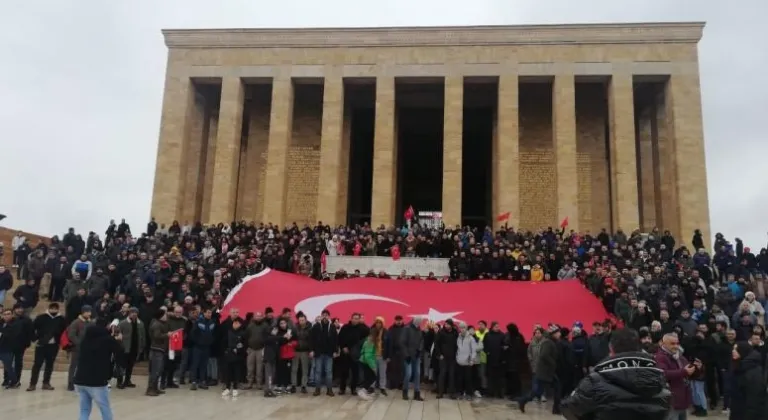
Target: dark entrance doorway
419	120
480	98
360	116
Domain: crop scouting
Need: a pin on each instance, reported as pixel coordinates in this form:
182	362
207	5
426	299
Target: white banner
412	266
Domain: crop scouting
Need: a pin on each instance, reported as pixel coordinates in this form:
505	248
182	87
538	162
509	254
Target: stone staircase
62	360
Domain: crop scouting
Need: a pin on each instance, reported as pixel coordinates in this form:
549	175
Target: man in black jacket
324	347
445	351
351	339
97	351
394	356
8	336
550	357
25	335
627	385
411	346
48	328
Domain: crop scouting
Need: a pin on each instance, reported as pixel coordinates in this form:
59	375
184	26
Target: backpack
64	342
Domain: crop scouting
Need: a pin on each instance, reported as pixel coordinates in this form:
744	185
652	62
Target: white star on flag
437	316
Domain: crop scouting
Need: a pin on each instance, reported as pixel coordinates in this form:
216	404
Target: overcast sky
81	88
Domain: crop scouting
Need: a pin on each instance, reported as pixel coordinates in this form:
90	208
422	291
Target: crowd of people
697	317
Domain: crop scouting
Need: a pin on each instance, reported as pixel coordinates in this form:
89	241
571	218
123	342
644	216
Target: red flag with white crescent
523	303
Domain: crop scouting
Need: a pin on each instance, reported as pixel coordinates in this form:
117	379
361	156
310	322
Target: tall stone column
683	106
647	170
453	115
170	174
668	215
280	130
506	152
564	136
328	201
226	164
384	154
621	110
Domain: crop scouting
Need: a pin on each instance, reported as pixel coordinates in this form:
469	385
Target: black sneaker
342	391
329	392
293	389
317	392
383	391
129	385
303	390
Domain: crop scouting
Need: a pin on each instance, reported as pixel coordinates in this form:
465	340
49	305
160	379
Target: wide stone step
61	364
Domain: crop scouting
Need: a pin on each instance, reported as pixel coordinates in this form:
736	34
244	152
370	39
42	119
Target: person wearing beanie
546	371
133	332
748	395
25	337
48	328
446	346
411	347
75	333
626	385
466	357
159	333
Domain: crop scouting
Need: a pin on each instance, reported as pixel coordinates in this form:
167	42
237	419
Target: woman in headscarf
748	394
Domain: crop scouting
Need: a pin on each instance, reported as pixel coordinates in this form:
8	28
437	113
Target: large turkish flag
524	303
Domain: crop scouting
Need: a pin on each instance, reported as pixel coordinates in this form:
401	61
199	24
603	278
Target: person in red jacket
287	351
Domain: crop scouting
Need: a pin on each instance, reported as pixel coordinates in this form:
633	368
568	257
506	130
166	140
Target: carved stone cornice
625	33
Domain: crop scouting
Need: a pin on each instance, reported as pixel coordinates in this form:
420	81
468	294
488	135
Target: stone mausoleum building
598	123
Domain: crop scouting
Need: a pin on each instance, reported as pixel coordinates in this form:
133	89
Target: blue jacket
202	334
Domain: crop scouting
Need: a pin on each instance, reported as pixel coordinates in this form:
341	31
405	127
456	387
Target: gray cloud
82	86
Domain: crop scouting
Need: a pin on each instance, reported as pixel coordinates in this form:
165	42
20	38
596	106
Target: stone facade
567	139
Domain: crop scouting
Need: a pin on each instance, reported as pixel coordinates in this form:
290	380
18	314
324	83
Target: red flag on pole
409	213
176	340
503	217
175	343
564	223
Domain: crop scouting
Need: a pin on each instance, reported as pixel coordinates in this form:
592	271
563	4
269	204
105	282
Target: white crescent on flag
313	307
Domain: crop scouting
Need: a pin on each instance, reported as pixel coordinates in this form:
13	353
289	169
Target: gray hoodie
466	350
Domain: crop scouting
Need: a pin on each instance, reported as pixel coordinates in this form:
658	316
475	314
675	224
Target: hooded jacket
466	350
96	354
748	400
625	386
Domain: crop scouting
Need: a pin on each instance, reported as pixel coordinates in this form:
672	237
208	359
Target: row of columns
683	105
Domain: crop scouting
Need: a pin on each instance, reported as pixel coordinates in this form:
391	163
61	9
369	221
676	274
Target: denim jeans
9	375
381	371
540	388
697	392
412	372
323	365
199	368
2	296
91	394
678	415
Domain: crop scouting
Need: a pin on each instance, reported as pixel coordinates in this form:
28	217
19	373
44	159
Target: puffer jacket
625	386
